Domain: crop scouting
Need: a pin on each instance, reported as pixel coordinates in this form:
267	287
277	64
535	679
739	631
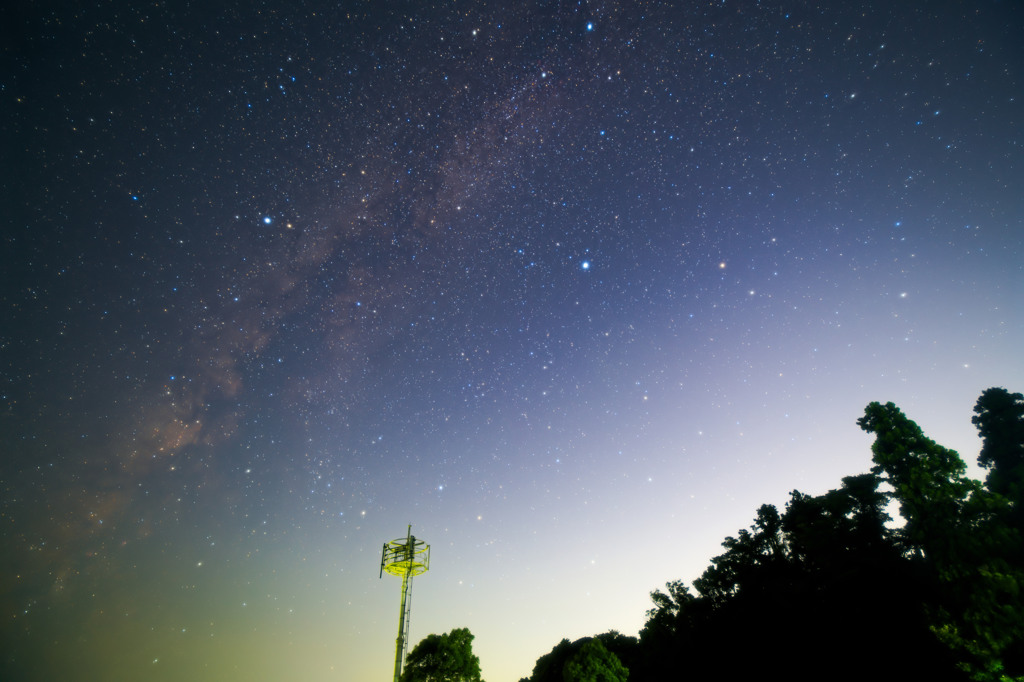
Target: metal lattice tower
405	557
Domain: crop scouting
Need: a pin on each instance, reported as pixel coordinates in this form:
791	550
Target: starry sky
571	287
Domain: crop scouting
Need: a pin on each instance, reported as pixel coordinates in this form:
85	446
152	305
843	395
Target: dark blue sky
572	287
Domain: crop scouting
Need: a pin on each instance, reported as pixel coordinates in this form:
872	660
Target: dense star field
571	287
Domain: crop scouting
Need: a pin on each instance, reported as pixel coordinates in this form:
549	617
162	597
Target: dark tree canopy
552	666
594	663
834	588
928	479
443	658
999	416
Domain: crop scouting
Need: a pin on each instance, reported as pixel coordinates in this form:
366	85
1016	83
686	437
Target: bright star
585	265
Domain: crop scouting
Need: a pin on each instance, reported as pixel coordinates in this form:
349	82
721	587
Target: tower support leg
400	643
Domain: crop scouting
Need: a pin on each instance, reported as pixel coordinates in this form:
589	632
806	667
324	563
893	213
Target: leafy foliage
611	653
999	416
820	590
928	480
750	559
594	663
956	530
443	658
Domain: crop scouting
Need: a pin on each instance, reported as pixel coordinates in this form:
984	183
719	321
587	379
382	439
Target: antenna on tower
405	557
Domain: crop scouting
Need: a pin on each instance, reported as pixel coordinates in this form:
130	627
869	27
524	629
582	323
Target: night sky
571	287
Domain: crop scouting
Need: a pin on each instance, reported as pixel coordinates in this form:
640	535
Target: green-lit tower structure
405	557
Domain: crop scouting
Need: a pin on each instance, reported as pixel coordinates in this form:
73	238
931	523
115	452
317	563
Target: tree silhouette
443	658
822	589
999	416
548	667
551	667
956	533
928	481
594	663
750	559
